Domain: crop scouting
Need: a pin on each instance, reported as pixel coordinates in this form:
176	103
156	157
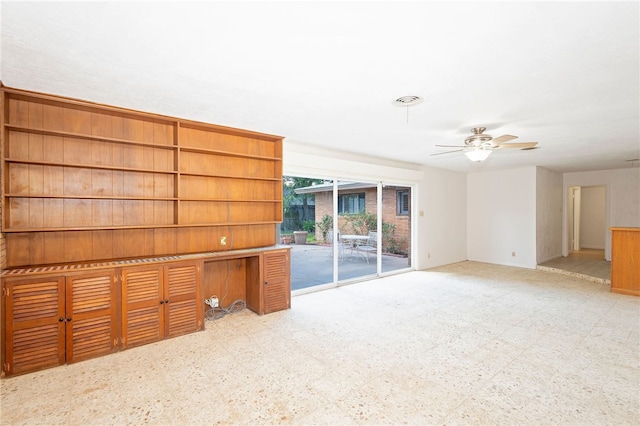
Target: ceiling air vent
407	101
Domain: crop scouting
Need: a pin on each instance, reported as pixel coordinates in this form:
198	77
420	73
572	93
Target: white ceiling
325	73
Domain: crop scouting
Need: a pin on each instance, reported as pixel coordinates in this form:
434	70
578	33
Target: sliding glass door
335	233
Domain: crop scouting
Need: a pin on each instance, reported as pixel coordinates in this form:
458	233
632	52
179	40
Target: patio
312	264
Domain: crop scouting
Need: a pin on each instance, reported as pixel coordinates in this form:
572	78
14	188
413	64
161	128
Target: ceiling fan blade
519	145
453	146
447	152
504	138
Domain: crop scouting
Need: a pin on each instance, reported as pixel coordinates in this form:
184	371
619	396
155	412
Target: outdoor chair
331	241
370	246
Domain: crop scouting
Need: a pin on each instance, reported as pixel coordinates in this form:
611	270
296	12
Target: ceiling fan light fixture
477	154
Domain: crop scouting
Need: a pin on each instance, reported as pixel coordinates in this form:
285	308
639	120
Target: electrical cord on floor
218	312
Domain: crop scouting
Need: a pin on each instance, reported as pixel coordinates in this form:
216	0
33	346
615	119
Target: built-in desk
625	260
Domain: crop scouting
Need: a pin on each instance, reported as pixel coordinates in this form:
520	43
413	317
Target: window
351	203
402	203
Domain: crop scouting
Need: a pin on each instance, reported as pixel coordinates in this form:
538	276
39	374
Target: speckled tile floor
468	343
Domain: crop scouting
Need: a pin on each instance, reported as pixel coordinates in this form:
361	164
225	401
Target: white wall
442	218
501	217
592	223
622	200
548	215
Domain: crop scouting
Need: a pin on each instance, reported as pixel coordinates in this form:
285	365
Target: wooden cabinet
61	314
270	289
625	261
82	180
53	320
160	302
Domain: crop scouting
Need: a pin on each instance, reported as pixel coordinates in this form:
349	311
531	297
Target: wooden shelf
90	166
227	153
99	228
229	200
214	175
60	133
91	197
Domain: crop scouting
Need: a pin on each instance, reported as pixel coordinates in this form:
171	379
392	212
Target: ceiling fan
479	145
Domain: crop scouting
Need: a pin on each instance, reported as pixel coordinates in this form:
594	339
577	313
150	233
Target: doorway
587	221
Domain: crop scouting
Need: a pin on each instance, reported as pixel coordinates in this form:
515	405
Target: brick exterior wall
324	205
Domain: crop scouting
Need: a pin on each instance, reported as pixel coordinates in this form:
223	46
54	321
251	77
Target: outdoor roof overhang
324	187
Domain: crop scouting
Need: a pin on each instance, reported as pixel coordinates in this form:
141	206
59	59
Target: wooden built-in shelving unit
118	223
84	181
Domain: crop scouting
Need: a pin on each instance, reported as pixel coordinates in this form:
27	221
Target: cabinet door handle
162	302
266	282
166	301
61	319
69	319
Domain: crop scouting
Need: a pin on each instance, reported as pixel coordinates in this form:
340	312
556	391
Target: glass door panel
396	227
307	220
357	226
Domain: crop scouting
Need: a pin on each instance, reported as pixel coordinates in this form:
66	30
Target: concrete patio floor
312	264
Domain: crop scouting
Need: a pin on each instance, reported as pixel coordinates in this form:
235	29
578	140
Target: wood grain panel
223	165
91	304
625	261
77	121
225	279
18	248
102	248
34	337
53	243
182	318
277	292
182	292
53	180
77	246
18	145
52	116
227	188
165	241
101	125
207	139
36	141
18	112
142	316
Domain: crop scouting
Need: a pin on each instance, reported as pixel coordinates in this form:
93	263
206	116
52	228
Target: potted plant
300	237
285	239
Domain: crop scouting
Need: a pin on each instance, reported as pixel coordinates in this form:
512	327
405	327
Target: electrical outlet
223	241
513	254
212	301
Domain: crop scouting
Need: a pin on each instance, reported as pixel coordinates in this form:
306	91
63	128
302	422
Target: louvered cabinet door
183	313
142	305
277	288
34	324
91	315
